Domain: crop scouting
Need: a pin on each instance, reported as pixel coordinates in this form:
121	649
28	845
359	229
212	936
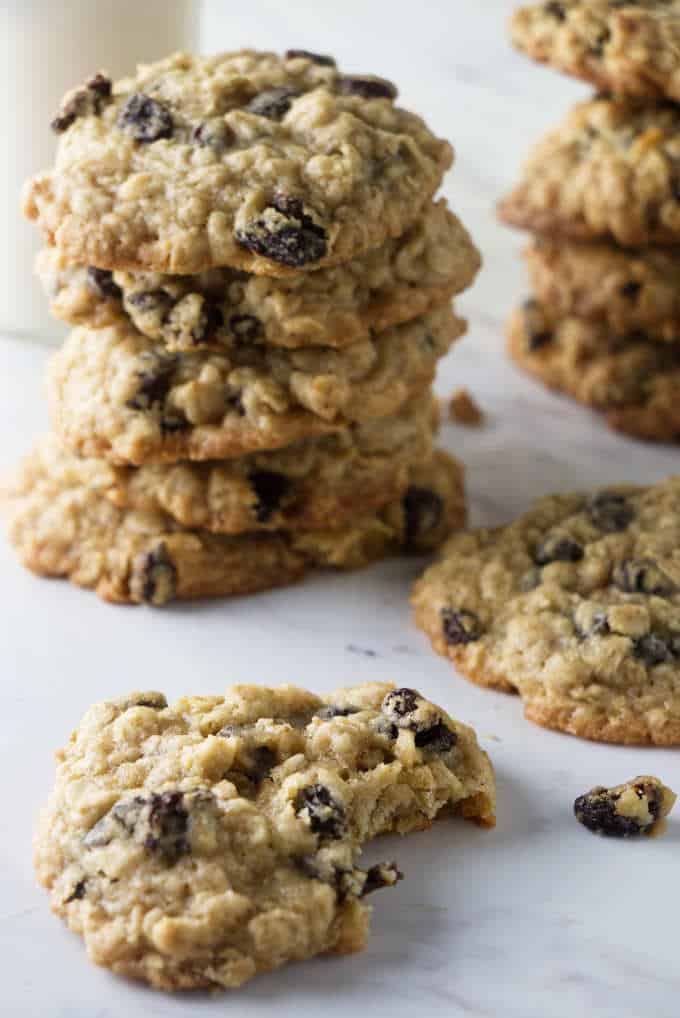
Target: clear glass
46	48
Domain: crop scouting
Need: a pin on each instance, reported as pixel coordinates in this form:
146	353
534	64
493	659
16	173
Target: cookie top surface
115	393
637	289
610	170
576	605
269	164
316	483
406	277
633	380
628	48
60	526
196	844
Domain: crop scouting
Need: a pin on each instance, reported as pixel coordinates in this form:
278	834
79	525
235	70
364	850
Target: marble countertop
536	919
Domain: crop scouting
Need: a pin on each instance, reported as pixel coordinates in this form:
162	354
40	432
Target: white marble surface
536	919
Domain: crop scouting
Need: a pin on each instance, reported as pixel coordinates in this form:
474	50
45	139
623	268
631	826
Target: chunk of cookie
271	164
610	170
61	528
625	811
630	379
218	837
317	483
576	606
627	291
629	47
464	410
406	277
116	394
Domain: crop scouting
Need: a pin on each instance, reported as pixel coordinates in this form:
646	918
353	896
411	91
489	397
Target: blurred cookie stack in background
260	285
601	194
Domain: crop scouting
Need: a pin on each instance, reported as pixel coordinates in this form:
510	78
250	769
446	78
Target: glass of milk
46	48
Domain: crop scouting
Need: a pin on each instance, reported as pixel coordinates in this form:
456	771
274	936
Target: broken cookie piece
464	410
625	811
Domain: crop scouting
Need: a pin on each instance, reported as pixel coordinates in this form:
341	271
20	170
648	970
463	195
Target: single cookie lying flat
61	528
406	277
114	393
611	169
575	605
629	47
626	290
195	845
625	811
265	163
317	483
633	381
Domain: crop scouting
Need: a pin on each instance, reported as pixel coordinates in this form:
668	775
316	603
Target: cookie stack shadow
224	421
601	196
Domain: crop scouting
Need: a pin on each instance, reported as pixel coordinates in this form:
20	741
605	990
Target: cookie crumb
629	810
464	410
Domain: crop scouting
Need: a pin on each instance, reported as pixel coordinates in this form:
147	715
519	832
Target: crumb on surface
464	410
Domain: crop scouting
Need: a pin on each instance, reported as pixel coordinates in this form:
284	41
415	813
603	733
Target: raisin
245	327
325	816
89	100
460	626
285	233
171	424
145	119
270	489
367	88
121	818
535	326
273	103
438	738
101	282
100	85
610	512
652	650
423	510
315	58
631	289
399	703
151	302
556	10
209	322
598	810
385	874
556	548
641	576
157	576
77	893
168	823
155	382
264	760
402	708
333	711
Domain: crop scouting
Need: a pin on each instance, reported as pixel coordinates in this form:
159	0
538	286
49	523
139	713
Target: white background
537	919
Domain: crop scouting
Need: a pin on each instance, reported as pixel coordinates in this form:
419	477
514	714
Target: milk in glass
46	48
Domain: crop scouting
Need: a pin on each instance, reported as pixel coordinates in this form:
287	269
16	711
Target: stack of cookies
260	286
602	195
